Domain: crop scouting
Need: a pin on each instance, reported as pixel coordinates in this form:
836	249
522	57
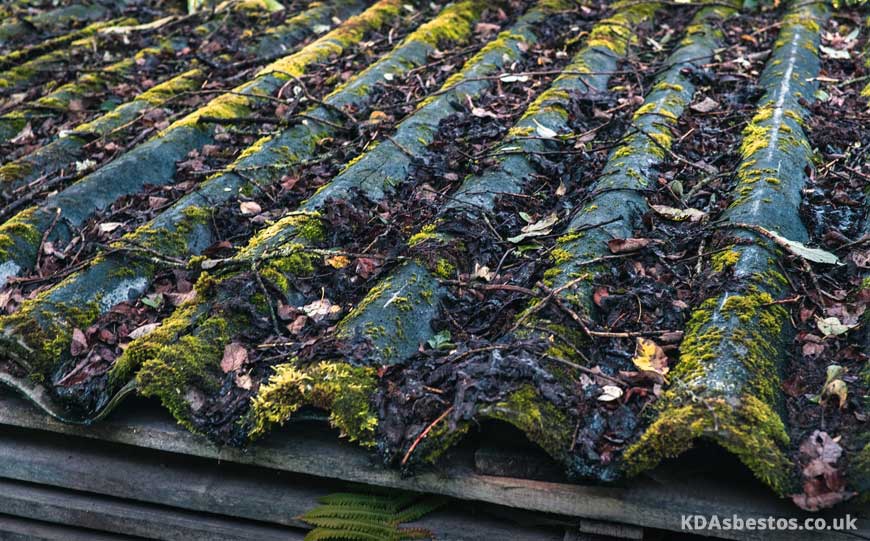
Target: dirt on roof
621	227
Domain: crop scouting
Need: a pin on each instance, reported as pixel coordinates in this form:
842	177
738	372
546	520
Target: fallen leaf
79	343
482	272
831	326
651	359
705	106
235	356
540	228
108	227
836	54
142	330
322	309
249	208
815	255
514	78
679	215
338	261
626	246
609	393
244	381
544	131
85	165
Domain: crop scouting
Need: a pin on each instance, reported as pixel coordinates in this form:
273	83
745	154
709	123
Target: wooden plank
22	529
197	484
301	449
115	516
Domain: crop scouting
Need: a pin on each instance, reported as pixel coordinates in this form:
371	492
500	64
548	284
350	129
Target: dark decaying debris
619	227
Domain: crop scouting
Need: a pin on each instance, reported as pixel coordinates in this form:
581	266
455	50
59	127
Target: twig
424	433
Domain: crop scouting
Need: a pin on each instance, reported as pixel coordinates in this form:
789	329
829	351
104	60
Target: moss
374	294
755	138
14	171
307	226
427	232
724	260
664	85
146	347
333	43
615	33
452	25
541	421
561	256
339	388
748	428
444	269
19	228
159	94
185	363
43	330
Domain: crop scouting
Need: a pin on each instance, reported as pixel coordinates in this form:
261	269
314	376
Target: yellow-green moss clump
146	347
158	94
724	260
179	367
339	388
21	227
36	338
616	32
747	427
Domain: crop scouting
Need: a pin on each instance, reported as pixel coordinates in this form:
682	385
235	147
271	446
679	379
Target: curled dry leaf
679	215
322	309
235	356
249	208
626	246
651	359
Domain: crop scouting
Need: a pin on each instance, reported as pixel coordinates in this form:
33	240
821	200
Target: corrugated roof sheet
620	227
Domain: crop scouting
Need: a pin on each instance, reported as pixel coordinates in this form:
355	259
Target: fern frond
324	534
375	528
419	509
346	511
358	500
346	516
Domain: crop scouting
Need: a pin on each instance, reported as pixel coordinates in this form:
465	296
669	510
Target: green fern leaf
419	509
347	516
324	534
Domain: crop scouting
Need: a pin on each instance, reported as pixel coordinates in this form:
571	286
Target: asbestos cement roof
624	228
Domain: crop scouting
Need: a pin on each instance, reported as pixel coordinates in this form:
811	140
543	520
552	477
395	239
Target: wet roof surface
619	227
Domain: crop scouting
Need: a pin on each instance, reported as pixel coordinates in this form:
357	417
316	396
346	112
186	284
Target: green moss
452	25
749	428
664	85
158	94
307	226
538	419
561	256
19	228
147	347
343	390
14	171
177	367
724	260
374	294
43	330
755	138
444	269
427	232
